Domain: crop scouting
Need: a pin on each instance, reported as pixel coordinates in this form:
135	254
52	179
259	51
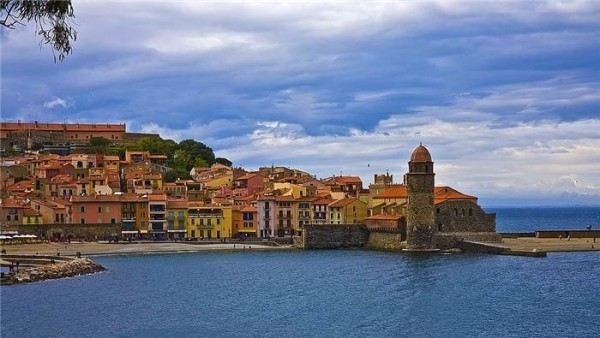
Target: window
437	210
82	221
455	212
56	218
16	217
8	217
82	209
112	221
218	221
99	210
470	212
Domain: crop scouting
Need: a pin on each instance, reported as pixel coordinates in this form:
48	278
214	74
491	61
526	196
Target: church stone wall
463	216
387	241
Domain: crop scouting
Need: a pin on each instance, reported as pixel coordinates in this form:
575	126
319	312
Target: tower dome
420	154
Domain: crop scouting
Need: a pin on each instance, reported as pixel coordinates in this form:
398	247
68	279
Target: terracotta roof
248	208
392	192
62	179
347	179
420	154
177	204
323	200
131	197
342	202
442	194
21	186
287	198
157	197
60	204
14	203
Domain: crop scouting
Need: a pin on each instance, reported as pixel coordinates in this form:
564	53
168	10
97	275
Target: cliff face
61	269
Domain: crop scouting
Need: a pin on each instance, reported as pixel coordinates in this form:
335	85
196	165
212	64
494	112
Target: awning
129	232
247	230
143	231
183	230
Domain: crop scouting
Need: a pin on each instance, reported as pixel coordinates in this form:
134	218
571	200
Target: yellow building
347	211
177	215
31	216
134	214
209	221
291	189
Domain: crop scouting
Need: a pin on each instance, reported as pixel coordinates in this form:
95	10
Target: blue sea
338	293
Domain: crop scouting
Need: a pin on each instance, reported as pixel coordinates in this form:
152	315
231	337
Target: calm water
530	219
349	293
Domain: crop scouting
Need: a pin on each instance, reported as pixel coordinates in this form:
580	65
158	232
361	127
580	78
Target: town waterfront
353	293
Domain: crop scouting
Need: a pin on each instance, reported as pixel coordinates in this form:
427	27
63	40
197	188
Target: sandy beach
100	249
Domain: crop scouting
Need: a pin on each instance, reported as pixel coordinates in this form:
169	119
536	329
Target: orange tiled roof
392	192
248	208
21	186
177	204
287	198
157	197
62	179
14	203
347	179
443	193
342	202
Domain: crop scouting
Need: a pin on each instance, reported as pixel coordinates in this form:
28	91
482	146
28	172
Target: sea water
337	293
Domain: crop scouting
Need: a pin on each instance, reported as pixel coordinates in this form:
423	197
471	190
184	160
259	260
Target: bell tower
420	181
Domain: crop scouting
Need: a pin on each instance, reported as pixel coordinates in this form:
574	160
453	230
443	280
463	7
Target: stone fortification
333	236
386	241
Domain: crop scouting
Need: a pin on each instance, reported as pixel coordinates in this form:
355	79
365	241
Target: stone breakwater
52	269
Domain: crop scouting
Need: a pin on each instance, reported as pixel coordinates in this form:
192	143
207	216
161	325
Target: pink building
96	209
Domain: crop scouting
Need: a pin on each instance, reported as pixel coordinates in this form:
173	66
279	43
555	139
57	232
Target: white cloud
56	103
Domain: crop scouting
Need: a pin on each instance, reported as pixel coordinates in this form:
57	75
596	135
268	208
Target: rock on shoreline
75	267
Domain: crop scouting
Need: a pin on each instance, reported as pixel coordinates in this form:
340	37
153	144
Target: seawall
386	241
333	236
38	268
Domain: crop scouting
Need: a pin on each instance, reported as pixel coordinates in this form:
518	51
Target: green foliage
200	163
198	149
181	157
52	21
223	161
173	175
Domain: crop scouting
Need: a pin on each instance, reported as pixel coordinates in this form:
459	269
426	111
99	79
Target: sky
505	94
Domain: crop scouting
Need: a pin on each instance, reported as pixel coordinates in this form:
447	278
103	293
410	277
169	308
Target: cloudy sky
506	95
